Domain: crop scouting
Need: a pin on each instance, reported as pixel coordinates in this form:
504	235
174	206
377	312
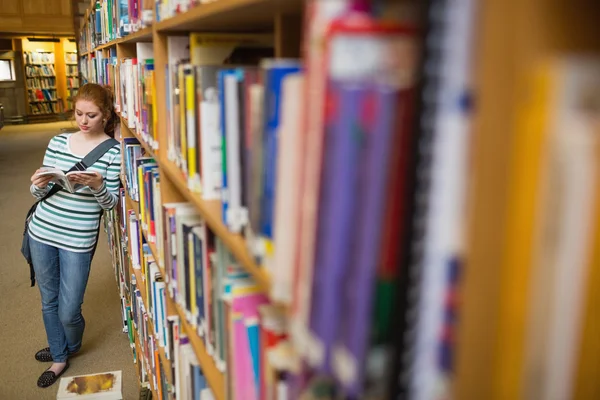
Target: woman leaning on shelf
64	228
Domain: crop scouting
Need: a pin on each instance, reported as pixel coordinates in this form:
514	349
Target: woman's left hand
93	181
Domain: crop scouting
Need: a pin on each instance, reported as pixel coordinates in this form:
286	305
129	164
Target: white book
287	197
237	216
210	157
178	49
62	179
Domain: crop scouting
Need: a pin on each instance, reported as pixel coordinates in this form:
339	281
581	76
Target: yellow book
190	112
524	175
587	384
182	120
539	300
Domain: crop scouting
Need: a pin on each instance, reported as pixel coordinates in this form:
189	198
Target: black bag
82	165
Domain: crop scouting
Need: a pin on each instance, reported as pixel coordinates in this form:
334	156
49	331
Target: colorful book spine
274	73
357	300
337	207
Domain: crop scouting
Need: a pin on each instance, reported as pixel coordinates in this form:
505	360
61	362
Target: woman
64	229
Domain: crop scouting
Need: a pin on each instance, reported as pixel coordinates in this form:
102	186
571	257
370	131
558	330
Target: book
61	178
104	385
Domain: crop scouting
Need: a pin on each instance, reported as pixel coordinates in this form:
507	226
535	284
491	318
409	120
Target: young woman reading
64	228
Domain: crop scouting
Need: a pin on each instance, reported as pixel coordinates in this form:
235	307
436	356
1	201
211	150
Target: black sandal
48	378
44	355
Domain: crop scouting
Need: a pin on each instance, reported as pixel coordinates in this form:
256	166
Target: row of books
301	154
236	133
195	105
44	108
39	71
113	19
42	94
204	279
38	57
137	93
41	83
72	70
71	57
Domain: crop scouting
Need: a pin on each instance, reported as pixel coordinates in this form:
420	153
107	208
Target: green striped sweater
70	220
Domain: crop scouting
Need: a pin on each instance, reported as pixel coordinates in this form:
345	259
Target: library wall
12	93
36	16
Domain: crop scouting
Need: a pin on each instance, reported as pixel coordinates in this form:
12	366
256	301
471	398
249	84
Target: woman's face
89	117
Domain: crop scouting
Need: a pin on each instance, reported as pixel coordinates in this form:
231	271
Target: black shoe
44	355
48	378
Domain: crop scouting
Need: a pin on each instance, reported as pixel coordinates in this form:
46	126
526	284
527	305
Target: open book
59	177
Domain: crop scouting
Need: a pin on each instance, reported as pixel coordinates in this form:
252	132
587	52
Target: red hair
103	98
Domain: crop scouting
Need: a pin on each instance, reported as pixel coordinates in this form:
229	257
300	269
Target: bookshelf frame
490	339
284	19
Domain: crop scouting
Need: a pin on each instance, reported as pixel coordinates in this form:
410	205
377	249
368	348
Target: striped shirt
70	221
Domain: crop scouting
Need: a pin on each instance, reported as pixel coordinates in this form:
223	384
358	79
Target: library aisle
105	346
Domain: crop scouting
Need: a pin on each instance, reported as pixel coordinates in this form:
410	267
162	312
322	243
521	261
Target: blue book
199	267
123	18
274	73
223	117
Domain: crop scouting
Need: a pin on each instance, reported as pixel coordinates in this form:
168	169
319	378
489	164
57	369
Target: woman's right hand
40	181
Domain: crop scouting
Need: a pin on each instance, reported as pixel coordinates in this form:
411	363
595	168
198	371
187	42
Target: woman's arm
107	194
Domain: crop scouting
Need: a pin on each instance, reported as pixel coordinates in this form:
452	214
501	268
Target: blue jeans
62	277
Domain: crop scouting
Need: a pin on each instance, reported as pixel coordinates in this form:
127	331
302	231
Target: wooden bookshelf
141	285
220	16
215	378
491	334
134	133
211	213
229	16
138	350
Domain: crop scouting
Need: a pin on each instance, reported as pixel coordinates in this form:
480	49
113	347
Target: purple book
337	207
356	300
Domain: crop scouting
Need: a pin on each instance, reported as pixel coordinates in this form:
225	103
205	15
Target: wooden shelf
143	35
229	16
215	378
145	144
211	212
138	349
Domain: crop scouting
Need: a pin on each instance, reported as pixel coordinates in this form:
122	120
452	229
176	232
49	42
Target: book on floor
103	385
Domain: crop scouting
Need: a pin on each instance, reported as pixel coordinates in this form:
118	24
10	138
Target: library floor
105	347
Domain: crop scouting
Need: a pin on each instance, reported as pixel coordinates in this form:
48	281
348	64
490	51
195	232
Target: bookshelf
496	281
72	74
225	14
41	84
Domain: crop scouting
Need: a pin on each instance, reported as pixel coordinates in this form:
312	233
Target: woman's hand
94	181
40	181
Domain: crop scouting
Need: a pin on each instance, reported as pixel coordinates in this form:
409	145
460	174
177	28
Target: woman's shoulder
114	151
59	140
